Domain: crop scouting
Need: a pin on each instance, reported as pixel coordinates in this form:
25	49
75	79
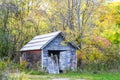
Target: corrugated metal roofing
40	41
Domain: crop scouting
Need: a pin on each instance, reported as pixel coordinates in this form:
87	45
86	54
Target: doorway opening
50	53
55	56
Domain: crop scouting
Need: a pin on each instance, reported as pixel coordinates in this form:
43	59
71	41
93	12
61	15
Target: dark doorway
53	61
54	53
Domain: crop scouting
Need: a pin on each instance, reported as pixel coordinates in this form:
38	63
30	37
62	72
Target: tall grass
10	70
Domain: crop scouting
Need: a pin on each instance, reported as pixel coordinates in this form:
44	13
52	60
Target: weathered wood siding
68	60
56	45
32	57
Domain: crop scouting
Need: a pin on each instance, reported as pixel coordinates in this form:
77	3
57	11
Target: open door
53	65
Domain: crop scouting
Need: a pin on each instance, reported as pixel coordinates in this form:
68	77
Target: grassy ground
77	76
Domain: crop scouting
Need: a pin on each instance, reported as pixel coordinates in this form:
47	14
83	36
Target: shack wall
56	44
32	57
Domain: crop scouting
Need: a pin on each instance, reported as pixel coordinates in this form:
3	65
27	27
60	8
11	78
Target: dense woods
92	24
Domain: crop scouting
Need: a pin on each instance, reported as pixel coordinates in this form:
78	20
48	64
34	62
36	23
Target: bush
93	59
23	65
33	72
16	76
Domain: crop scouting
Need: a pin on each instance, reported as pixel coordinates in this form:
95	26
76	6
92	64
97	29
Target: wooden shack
50	53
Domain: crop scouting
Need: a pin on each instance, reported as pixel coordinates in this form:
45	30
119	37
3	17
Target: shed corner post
76	58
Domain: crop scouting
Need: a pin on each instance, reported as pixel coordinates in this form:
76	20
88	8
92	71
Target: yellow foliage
23	65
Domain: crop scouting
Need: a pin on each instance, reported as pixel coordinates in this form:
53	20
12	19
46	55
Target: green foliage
3	65
22	65
5	45
94	60
110	22
10	70
100	49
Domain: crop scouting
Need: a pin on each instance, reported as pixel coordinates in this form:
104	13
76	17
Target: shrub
23	65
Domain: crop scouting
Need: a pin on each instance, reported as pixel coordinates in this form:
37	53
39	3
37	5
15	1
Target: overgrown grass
76	75
33	72
91	76
13	71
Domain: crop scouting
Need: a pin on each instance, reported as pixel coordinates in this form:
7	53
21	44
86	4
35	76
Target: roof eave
74	45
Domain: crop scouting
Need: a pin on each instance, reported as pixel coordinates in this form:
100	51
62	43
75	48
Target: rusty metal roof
40	41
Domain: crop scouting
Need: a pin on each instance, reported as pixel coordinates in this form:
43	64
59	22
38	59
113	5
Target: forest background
94	25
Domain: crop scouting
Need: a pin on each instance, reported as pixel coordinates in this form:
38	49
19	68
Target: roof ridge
48	33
